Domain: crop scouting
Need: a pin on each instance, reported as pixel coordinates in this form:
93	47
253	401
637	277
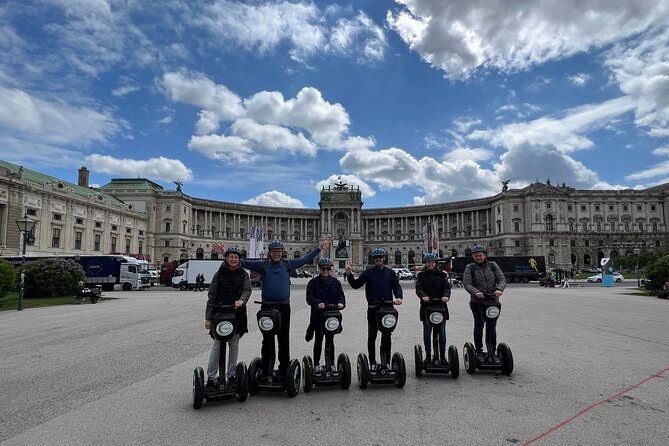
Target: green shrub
658	272
7	277
52	277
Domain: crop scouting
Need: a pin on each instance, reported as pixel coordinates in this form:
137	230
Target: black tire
453	362
254	368
126	286
363	371
526	280
400	369
183	286
418	359
198	387
599	280
504	353
619	280
469	358
242	377
344	367
294	378
308	373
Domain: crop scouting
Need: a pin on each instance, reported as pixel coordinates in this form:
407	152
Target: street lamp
26	226
638	278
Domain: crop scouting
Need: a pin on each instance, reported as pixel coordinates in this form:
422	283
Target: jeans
491	332
267	352
233	352
372	329
427	339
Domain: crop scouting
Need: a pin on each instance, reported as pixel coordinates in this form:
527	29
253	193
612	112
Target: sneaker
479	357
317	369
232	381
427	362
495	359
334	368
372	367
211	385
444	362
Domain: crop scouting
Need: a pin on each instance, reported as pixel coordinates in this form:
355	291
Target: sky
264	102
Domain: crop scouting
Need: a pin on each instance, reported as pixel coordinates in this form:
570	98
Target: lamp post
26	226
638	277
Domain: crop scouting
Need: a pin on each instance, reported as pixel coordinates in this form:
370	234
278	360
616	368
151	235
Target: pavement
591	368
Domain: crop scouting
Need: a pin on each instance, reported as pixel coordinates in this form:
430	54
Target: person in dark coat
431	283
321	290
230	285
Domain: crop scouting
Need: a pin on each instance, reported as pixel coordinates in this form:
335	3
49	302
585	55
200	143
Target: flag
260	245
430	238
252	240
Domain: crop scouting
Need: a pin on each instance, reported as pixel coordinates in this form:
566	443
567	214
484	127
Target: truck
515	268
108	271
185	274
167	271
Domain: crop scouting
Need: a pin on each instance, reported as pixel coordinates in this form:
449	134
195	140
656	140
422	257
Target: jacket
484	278
380	284
434	284
228	286
323	291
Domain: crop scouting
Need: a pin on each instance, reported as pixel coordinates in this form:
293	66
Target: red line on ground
592	406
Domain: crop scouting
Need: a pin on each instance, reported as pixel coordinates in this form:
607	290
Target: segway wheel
294	378
254	368
418	359
363	371
242	376
469	358
453	362
504	353
308	373
344	367
400	369
198	387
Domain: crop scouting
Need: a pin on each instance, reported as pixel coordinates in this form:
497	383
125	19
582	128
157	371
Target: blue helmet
479	248
325	261
233	250
430	257
275	244
378	252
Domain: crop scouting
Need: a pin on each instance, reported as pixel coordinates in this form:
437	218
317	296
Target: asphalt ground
591	368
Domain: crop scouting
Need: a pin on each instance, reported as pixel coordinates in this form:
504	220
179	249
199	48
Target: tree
7	277
658	272
52	277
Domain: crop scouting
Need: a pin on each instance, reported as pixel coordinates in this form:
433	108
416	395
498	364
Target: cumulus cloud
461	36
579	79
276	199
155	168
351	181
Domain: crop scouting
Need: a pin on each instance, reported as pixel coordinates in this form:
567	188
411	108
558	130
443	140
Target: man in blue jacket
381	284
275	278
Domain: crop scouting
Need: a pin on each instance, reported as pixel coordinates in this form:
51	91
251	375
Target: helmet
234	249
430	257
325	261
479	248
275	244
378	252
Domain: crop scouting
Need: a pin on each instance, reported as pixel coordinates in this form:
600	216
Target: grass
11	301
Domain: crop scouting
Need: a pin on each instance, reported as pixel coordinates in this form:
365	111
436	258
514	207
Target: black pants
372	330
490	326
267	352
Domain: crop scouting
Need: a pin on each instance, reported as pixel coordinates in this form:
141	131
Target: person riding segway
434	291
326	298
484	281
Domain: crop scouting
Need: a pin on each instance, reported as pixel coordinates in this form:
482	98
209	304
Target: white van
403	273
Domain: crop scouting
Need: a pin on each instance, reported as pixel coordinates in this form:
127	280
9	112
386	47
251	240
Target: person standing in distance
275	276
381	284
483	280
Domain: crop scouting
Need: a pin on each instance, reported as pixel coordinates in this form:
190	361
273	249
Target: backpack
493	265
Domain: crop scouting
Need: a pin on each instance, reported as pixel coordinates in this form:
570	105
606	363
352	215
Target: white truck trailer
185	274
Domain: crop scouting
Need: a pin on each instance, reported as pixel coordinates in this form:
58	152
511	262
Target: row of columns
220	221
444	222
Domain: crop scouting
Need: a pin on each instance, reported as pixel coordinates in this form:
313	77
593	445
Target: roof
132	184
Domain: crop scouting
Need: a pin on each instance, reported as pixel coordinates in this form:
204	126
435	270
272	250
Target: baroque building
571	228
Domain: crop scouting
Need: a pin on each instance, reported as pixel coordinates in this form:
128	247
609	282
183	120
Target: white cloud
225	148
462	153
155	168
276	199
461	36
351	181
579	79
661	169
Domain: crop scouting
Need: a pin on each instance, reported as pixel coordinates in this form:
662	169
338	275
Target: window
657	243
167	243
627	226
516	226
638	208
79	221
596	207
640	226
548	205
585	227
654	226
610	208
114	228
55	238
113	244
551	242
624	207
587	243
168	208
128	230
141	232
549	222
98	224
517	242
77	239
600	242
168	226
141	245
570	207
652	207
57	217
515	208
31	212
599	225
583	208
96	242
572	242
127	245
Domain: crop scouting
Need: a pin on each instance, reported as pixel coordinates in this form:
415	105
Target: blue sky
414	101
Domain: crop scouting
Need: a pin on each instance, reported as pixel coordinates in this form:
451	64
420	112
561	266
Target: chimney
83	177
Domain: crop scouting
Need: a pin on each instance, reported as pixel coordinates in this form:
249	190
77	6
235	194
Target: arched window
214	255
551	258
296	254
411	257
398	257
199	253
586	259
243	253
516	226
548	220
573	258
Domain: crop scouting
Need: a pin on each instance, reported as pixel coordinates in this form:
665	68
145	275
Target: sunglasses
378	257
326	269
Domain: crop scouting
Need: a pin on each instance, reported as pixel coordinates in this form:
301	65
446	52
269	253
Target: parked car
403	273
598	277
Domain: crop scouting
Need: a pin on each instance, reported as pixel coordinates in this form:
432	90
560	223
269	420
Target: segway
224	322
386	321
436	314
489	312
330	325
269	322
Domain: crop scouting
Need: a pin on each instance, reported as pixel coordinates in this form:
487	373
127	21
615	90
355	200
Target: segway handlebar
223	307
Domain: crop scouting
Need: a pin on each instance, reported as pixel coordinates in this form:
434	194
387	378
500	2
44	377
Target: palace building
572	228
